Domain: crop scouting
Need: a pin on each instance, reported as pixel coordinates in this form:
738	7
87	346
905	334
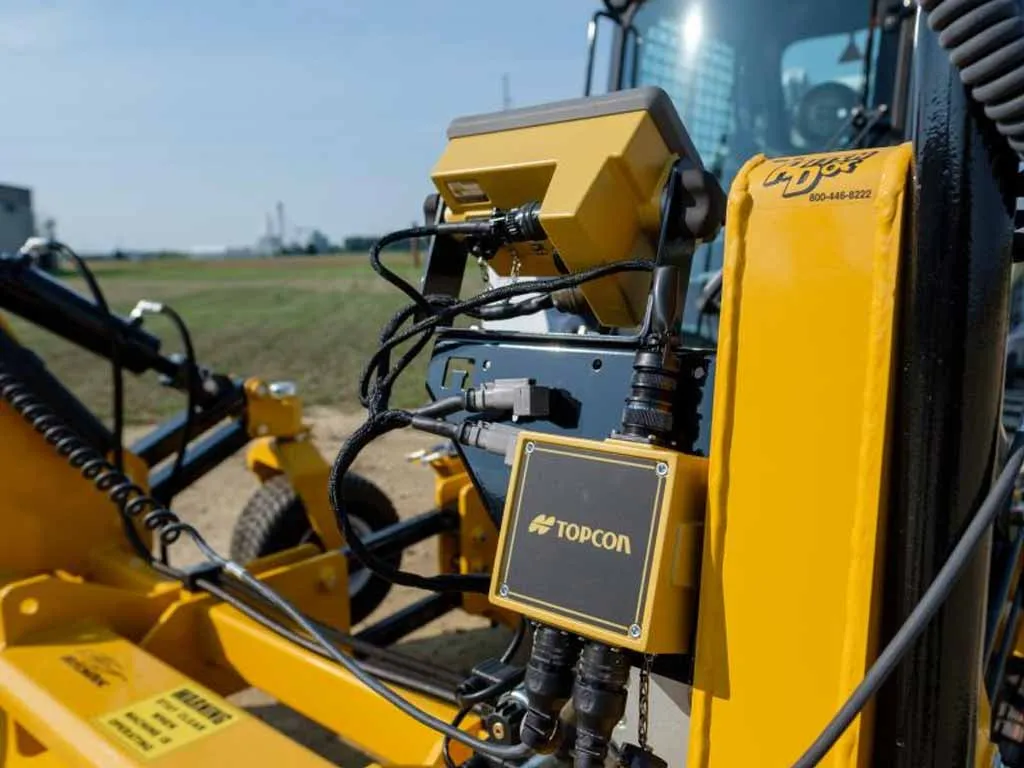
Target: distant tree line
365	242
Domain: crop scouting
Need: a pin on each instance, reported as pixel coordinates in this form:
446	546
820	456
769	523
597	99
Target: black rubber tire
274	519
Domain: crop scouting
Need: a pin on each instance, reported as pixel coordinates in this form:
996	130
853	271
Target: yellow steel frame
96	647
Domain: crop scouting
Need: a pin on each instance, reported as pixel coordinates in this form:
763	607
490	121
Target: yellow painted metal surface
471	547
308	473
94	699
326	693
984	750
790	577
51	516
666	612
268	414
317	584
45	602
598	180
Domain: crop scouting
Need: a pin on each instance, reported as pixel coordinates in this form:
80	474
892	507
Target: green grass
311	320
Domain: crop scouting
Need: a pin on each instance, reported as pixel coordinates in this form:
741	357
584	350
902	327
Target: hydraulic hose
985	41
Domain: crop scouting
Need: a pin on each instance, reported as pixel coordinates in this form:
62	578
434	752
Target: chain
645	701
517	263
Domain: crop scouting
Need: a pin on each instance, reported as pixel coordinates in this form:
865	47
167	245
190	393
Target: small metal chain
485	276
645	702
517	262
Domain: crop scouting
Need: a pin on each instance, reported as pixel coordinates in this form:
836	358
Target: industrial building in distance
17	221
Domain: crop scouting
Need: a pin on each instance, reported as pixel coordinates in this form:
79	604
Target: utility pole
506	92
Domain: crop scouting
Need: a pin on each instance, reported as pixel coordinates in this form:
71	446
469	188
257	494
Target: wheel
274	519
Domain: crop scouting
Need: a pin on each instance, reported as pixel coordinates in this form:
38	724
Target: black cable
922	614
515	642
117	371
363	647
192	383
479	228
356	670
377	425
378	266
372	378
440	408
507	310
502	686
375	390
446	743
132	502
412	678
115	352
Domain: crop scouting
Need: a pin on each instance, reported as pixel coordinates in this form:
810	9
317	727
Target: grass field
313	320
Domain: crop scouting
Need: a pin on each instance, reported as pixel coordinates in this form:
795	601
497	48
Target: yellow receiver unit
597	167
602	539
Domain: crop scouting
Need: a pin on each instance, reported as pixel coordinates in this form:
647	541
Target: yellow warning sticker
153	727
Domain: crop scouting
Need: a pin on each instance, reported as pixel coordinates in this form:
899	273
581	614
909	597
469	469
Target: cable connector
493	438
488	680
145	307
521	396
35	245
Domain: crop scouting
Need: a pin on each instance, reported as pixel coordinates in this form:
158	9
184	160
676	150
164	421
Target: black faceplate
592	374
581	535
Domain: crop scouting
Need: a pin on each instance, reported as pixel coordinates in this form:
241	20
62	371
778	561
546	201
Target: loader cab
808	77
749	77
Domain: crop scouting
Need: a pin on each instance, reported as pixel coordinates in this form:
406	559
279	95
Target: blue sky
145	124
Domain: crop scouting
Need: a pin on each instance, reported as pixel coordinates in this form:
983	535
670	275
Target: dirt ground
455	641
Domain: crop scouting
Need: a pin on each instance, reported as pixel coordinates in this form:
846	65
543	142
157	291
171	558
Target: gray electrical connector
485	435
521	396
493	438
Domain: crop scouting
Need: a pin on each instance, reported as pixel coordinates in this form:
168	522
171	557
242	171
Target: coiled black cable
133	502
985	40
131	499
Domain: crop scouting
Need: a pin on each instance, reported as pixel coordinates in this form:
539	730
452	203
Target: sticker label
98	668
153	727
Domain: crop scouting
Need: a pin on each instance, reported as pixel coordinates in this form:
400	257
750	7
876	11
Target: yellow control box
603	539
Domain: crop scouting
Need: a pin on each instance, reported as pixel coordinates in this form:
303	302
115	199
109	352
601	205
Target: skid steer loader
777	531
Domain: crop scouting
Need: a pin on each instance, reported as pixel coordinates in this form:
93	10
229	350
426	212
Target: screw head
634	631
530	447
262	429
661	469
503	591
